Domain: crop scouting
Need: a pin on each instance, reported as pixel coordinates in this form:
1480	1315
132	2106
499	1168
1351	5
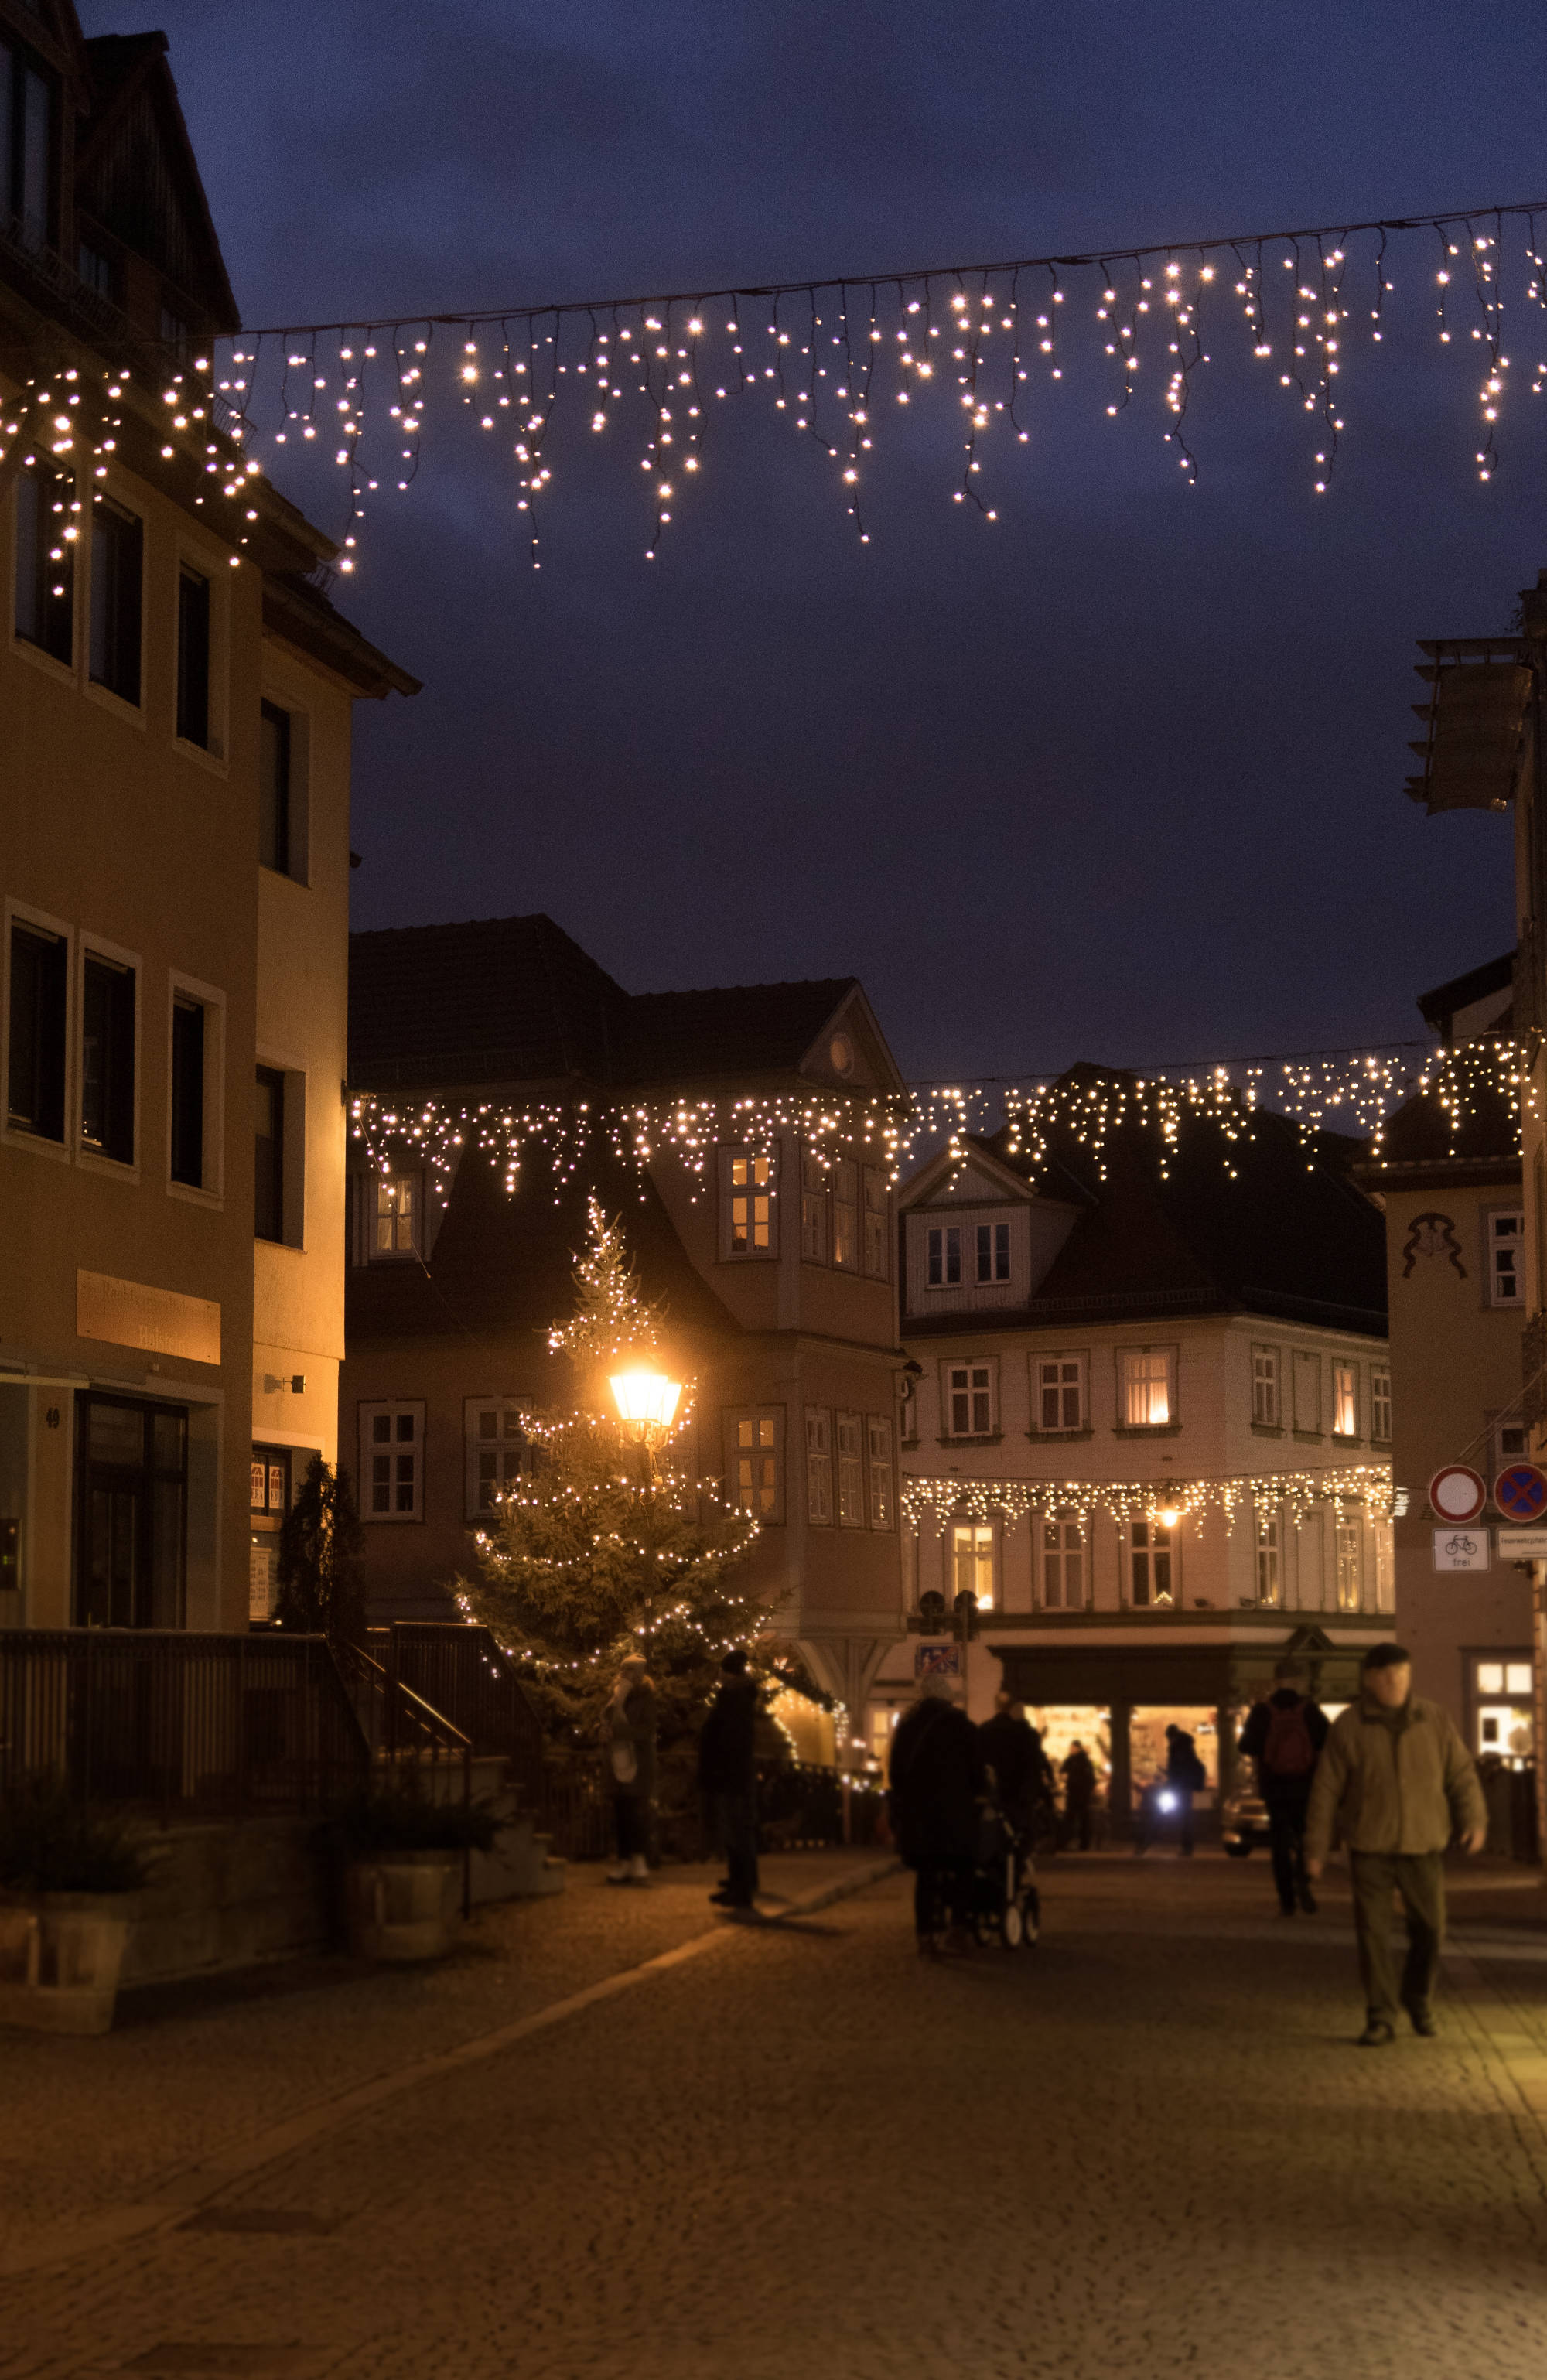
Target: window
1380	1405
876	1234
819	1468
993	1251
392	1462
813	1211
1063	1561
1061	1392
1152	1562
1512	1444
498	1451
1308	1393
271	1479
851	1471
1506	1271
878	1432
944	1257
970	1399
269	1171
1264	1388
107	1058
1347	1565
1385	1566
45	540
35	1055
1145	1398
1269	1580
751	1207
395	1215
1345	1400
274	788
95	270
845	1213
188	1092
118	557
25	147
972	1562
757	1463
193	657
1503	1705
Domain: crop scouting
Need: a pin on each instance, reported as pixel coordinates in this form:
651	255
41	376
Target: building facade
769	1243
1146	1446
176	697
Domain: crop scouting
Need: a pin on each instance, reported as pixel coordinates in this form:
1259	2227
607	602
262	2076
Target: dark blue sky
1121	779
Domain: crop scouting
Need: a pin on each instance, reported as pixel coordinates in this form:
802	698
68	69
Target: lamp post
647	1403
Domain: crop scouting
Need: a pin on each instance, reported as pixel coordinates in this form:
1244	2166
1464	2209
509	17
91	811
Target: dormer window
993	1251
945	1256
25	147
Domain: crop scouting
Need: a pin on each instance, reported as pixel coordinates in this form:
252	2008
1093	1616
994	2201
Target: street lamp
646	1402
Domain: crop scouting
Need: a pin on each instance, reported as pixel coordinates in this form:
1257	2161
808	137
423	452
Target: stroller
1004	1905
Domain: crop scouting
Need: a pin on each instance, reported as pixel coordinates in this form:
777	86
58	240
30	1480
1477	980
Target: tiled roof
761	1028
1481	1127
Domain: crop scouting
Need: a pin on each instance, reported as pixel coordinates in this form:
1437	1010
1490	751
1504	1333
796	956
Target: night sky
1119	779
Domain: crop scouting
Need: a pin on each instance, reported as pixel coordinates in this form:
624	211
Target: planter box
406	1905
60	1955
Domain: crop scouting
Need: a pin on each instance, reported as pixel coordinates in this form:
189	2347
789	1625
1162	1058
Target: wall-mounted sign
133	1314
1523	1545
1458	1493
1520	1492
937	1660
1461	1549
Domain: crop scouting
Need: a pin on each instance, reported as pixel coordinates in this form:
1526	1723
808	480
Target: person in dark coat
630	1724
1079	1791
1012	1749
937	1782
1283	1736
727	1779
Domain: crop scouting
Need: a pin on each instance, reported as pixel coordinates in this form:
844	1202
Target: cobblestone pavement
1146	2148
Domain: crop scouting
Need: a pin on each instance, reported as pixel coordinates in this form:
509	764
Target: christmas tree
598	1549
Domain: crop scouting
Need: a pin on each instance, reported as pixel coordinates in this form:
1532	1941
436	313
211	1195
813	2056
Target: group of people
728	1775
944	1772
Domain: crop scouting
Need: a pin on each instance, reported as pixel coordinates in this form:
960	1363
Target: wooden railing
212	1724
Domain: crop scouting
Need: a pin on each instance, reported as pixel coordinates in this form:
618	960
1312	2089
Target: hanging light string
1355	1487
1354	1092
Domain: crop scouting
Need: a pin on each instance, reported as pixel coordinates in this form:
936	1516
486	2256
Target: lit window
1061	1392
1379	1406
392	1462
497	1448
1506	1284
752	1205
757	1464
970	1393
1491	1676
1144	1384
1269	1584
993	1251
395	1220
1347	1566
813	1211
972	1561
819	1468
1063	1563
944	1257
878	1430
1345	1400
851	1473
845	1213
1518	1678
1264	1387
1151	1551
875	1223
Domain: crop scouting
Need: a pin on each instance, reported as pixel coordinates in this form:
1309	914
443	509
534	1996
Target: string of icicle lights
1360	1487
1353	1092
836	360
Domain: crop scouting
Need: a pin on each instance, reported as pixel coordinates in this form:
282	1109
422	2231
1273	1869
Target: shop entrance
131	1532
1149	1745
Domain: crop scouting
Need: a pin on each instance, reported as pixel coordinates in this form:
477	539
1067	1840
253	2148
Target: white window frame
751	1190
1138	1381
747	1492
1305	1370
991	1257
1503	1237
1347	1564
942	1244
512	1449
212	1000
395	1447
410	1180
1268	1533
819	1466
881	1471
875	1195
973	1387
1380	1405
1071	1377
849	1435
1064	1553
1267	1399
981	1553
18	913
1147	1545
1345	1385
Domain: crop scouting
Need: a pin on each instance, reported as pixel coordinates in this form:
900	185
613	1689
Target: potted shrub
402	1854
65	1874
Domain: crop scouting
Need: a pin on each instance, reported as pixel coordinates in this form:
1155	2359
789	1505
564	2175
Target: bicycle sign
1520	1492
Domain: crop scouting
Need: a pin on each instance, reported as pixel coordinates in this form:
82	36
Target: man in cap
1396	1781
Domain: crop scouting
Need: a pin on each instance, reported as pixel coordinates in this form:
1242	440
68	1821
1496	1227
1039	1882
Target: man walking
727	1779
1079	1791
1283	1736
1396	1781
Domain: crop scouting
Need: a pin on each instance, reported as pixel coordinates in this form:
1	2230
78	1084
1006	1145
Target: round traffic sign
1458	1493
1520	1492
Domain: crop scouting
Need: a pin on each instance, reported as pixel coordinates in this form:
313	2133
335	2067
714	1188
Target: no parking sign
1520	1492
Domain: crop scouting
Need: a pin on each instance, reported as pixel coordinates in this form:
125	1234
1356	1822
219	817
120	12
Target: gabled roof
1009	1172
1485	984
136	175
513	1002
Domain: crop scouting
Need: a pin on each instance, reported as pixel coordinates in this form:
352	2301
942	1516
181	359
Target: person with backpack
1283	1736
